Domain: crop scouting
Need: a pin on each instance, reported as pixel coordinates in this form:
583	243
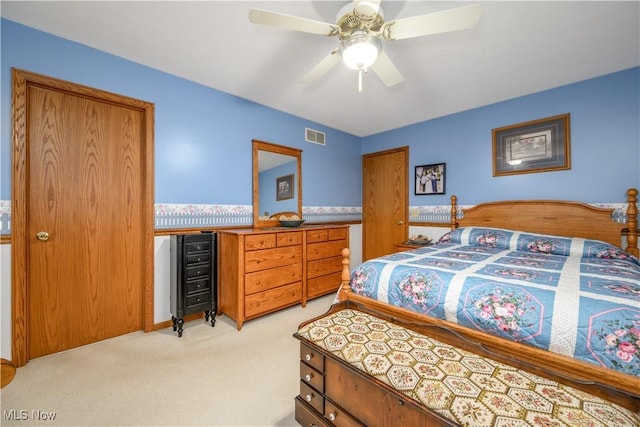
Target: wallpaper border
171	215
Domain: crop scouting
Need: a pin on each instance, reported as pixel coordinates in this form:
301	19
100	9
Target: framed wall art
430	179
284	187
541	145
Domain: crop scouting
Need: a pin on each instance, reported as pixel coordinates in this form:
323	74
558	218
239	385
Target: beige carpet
209	377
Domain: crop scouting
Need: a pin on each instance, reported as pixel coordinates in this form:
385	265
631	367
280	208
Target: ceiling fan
361	29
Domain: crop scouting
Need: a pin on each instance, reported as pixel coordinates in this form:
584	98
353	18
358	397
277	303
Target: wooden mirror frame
279	149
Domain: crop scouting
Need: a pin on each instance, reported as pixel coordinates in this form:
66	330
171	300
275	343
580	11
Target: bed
543	285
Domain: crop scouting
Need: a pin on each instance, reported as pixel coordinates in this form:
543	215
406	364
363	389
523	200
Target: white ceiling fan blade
431	23
384	68
322	67
295	23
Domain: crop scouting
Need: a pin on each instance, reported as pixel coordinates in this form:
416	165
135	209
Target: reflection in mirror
276	173
276	182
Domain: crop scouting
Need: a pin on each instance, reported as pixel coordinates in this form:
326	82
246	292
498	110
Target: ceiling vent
314	136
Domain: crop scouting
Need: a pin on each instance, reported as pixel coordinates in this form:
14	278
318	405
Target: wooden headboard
561	218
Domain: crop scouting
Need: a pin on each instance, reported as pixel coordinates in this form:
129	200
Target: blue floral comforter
576	297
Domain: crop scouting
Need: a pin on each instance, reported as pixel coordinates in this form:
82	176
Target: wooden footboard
608	384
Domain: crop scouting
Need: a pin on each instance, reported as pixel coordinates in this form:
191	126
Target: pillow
445	238
544	244
480	236
535	243
598	249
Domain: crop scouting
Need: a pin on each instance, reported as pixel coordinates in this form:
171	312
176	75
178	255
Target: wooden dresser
264	270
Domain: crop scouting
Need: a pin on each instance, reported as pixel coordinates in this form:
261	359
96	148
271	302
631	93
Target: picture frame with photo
541	145
284	187
430	179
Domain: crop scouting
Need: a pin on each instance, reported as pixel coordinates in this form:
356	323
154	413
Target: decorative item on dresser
265	270
193	277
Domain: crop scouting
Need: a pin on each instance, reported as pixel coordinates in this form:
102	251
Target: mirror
277	182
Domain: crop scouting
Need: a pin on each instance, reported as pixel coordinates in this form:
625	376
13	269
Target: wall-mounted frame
537	146
284	187
430	179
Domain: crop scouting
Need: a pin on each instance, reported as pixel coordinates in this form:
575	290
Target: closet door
385	201
86	220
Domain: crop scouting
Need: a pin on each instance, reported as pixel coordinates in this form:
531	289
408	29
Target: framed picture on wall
537	146
430	179
284	187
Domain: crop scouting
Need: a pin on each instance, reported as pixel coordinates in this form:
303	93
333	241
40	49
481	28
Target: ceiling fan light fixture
360	50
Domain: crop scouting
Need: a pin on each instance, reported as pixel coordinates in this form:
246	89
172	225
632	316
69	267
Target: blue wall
202	136
605	145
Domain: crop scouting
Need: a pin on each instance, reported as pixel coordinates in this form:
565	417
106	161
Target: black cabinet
193	277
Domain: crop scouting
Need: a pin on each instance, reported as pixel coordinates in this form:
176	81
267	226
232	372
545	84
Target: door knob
43	236
400	222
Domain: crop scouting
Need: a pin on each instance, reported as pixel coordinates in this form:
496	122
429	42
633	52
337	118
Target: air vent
314	136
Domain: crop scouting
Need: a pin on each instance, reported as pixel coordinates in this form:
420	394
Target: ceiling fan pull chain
360	80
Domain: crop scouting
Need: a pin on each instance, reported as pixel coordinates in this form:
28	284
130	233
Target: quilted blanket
571	296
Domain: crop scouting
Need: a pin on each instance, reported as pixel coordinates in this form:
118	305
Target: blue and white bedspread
576	297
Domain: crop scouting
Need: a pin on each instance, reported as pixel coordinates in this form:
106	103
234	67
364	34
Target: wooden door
87	217
385	200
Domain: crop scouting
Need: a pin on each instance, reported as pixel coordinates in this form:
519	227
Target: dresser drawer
338	416
289	239
197	271
198	258
312	377
312	357
307	417
324	266
273	299
312	397
197	299
272	278
325	249
314	236
271	258
194	286
193	247
337	234
259	241
323	285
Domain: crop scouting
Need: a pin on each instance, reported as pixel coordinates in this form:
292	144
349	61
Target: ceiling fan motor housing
364	17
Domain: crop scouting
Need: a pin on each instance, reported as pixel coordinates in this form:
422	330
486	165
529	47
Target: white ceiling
518	48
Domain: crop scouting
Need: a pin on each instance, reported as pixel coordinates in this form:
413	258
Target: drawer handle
309	397
308	377
332	416
308	357
400	402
